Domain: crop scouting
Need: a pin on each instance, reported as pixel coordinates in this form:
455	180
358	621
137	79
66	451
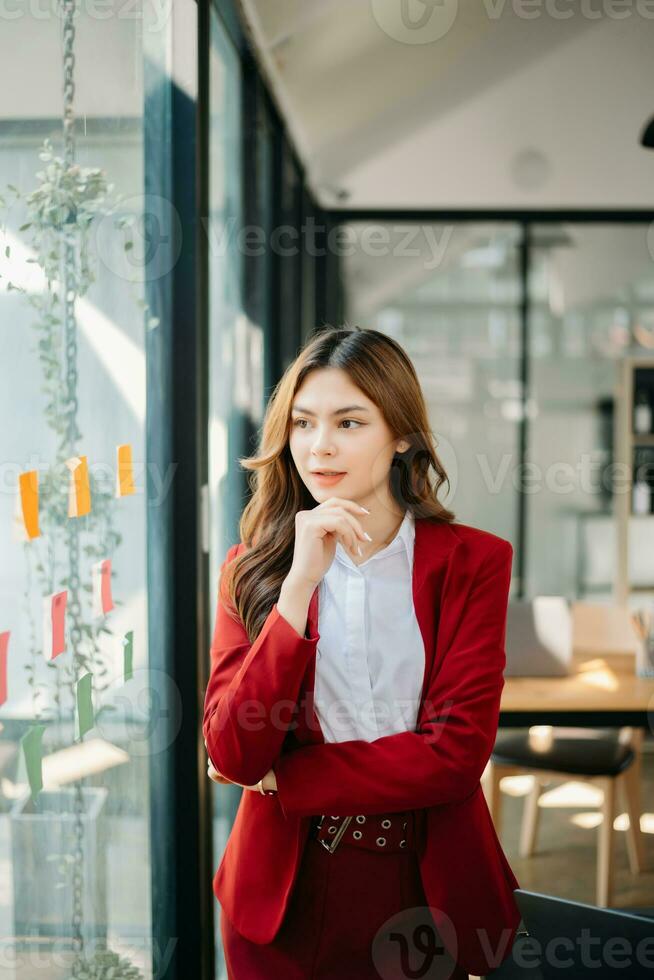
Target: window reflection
76	725
452	294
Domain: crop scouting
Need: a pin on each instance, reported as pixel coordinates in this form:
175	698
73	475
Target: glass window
235	359
591	300
75	721
450	294
289	247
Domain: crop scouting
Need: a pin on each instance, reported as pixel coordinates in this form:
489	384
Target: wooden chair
609	762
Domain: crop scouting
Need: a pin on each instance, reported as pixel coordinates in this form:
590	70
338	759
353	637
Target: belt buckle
333	844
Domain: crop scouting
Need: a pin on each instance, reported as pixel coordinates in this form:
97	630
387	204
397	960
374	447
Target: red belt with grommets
381	832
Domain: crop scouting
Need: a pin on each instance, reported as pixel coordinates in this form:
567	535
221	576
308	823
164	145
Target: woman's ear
402	446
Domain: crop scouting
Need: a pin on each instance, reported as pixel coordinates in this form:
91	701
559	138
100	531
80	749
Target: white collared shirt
370	659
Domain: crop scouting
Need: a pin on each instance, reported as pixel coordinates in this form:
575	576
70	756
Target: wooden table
603	690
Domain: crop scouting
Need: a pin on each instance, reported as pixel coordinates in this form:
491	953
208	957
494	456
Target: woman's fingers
218	777
215	775
350	521
338	523
354	534
212	772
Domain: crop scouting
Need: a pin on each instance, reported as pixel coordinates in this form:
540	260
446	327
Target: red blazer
259	714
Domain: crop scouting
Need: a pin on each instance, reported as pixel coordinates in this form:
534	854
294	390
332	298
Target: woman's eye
298	421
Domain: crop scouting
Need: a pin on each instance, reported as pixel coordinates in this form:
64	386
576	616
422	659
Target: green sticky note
33	753
84	705
128	655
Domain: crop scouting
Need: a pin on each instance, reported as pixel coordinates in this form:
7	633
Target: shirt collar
403	540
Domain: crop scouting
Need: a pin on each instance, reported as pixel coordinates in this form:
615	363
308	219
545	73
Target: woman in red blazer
295	904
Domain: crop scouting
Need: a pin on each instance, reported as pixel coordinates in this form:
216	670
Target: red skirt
355	914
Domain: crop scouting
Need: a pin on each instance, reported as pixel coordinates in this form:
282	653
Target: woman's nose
322	443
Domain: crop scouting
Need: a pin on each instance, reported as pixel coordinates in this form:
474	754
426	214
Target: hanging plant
60	214
104	965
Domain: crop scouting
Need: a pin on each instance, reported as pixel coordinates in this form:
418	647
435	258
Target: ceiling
484	104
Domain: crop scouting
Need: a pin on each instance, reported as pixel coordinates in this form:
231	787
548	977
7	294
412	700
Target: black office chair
607	759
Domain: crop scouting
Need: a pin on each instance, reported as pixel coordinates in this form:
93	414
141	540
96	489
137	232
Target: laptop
538	637
572	940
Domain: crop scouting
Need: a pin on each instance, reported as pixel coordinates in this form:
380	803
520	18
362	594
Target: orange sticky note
79	494
29	502
54	624
125	473
102	600
4	646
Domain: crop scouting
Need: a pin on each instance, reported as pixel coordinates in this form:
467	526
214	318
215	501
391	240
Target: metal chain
68	7
74	609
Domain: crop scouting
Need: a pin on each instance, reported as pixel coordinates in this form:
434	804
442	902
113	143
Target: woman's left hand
215	775
269	780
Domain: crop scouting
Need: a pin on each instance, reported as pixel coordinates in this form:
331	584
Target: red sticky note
54	626
102	599
4	646
59	604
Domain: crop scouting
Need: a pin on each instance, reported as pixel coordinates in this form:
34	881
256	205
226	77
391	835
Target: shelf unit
634	373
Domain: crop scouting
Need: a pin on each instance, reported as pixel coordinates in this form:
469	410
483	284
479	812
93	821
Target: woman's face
335	427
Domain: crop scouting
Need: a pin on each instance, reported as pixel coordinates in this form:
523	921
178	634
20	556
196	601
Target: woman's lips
328	480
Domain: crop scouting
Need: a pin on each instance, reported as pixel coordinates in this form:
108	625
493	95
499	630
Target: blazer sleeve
443	760
252	691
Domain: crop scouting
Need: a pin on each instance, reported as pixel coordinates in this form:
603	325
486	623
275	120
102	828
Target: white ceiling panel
509	105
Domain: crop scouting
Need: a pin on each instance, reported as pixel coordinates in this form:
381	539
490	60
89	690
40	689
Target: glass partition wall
75	717
234	358
591	302
519	331
450	294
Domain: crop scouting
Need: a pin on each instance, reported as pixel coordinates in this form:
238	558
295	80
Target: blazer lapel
433	547
308	727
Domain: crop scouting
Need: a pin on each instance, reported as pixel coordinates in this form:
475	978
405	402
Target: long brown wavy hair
380	368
